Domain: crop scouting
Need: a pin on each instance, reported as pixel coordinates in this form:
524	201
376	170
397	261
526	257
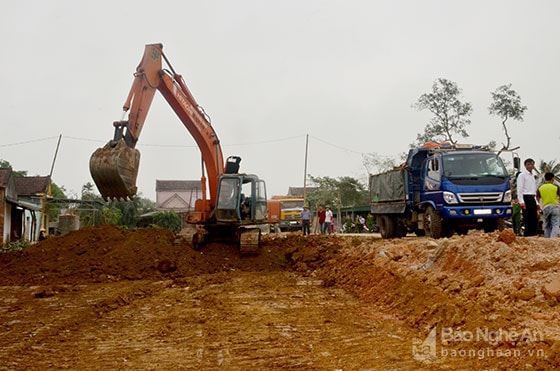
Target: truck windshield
473	165
292	204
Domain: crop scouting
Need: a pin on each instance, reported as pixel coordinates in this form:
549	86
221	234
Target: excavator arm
114	167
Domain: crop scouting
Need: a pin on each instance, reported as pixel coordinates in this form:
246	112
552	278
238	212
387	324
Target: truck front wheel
387	226
432	223
490	225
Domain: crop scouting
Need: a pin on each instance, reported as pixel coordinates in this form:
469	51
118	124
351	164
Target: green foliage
58	193
338	193
506	104
168	219
451	116
124	213
15	246
5	164
110	215
370	222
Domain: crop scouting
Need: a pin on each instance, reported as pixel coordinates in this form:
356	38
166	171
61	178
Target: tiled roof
298	191
177	185
31	185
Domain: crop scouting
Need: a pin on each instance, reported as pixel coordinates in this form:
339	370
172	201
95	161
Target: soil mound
110	253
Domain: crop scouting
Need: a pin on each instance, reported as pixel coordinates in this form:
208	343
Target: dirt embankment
460	286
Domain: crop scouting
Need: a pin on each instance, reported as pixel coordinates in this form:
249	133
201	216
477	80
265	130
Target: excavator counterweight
114	169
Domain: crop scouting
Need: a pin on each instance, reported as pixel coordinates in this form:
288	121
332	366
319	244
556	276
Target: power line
350	150
192	146
195	146
27	142
337	146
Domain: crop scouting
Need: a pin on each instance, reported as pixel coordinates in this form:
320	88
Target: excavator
236	209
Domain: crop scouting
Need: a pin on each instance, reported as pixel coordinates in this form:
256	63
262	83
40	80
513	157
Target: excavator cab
241	199
241	204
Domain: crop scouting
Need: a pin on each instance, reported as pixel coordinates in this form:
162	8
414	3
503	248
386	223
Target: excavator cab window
227	204
246	203
261	210
241	198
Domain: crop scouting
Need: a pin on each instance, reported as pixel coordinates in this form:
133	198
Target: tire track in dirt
239	320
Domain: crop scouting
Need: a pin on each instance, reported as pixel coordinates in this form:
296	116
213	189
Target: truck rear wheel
433	223
387	226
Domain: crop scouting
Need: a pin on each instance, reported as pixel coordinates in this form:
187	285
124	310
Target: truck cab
467	188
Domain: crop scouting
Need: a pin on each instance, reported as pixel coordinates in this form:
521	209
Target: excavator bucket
114	169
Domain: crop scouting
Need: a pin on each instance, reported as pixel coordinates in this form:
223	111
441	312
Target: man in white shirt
328	220
526	192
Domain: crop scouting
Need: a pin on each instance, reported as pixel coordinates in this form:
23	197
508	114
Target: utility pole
55	153
305	169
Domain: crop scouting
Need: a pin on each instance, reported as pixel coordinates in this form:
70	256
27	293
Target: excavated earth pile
108	297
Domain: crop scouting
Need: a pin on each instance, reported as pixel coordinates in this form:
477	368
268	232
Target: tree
96	215
5	164
168	219
131	210
506	104
550	166
341	192
57	193
451	116
124	213
376	164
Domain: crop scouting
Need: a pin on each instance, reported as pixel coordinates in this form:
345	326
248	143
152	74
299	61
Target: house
23	210
174	195
35	190
177	195
298	191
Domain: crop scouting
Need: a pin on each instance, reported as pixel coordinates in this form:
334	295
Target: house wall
7	224
30	225
3	214
189	197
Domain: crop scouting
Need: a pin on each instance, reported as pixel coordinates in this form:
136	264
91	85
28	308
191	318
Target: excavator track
114	169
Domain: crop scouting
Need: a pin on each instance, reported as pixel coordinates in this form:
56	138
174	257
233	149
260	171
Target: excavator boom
114	167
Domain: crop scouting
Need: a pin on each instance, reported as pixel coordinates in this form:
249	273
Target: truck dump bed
388	186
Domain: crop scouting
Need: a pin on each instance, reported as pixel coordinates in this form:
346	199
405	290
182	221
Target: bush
14	246
168	219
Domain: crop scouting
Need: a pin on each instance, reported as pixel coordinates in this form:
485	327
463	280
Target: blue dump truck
442	190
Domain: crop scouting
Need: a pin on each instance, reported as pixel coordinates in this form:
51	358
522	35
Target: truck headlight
507	196
449	197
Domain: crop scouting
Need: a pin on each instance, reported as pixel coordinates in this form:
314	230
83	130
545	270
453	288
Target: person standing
526	192
547	195
305	220
328	220
321	218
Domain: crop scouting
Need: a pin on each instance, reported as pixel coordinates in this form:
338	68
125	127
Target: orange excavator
236	209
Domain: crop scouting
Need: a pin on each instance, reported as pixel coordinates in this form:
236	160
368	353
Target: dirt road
107	298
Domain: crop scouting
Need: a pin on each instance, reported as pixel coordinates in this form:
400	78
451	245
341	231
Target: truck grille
478	198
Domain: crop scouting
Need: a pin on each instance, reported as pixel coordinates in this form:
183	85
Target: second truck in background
290	212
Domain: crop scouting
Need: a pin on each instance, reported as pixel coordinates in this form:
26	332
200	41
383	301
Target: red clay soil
461	285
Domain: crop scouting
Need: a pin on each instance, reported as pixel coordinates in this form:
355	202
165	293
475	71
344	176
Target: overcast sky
268	73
